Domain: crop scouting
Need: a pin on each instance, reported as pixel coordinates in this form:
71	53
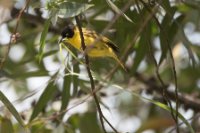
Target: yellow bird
96	45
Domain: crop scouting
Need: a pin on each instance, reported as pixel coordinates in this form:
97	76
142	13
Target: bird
96	45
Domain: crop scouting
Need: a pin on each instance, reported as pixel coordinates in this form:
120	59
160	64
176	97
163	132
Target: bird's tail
118	61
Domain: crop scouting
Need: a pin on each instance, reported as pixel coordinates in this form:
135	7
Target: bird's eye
67	32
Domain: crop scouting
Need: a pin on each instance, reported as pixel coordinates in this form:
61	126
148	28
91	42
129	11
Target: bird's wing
110	44
105	40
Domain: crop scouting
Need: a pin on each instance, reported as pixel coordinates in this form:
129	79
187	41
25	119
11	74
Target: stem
101	116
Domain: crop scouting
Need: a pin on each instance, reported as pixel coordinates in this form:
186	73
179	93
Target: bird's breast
94	48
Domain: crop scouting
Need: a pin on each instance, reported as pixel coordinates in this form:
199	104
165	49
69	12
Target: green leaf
196	49
165	107
71	53
24	75
164	35
44	98
166	5
161	105
39	126
54	16
6	126
85	123
11	108
75	79
183	8
188	44
65	92
71	9
117	10
74	120
157	123
43	38
142	48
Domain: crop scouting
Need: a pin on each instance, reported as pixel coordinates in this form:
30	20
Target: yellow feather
96	46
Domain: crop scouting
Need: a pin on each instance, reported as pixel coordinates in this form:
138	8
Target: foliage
157	42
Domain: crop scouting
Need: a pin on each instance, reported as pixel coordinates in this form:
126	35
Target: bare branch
14	36
101	116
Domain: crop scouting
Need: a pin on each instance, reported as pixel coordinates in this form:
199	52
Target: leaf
183	8
71	9
6	126
85	123
71	53
117	10
196	49
24	75
164	35
185	40
161	105
11	108
65	92
142	48
74	120
44	98
165	107
43	38
156	124
166	5
54	16
75	79
39	126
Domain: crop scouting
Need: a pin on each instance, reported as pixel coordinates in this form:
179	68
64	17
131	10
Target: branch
35	20
175	116
188	101
14	36
101	116
131	44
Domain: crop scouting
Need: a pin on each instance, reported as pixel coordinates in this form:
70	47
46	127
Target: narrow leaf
6	126
85	123
66	92
71	53
24	75
142	48
71	9
11	108
188	44
161	105
164	36
75	79
157	123
44	98
117	10
43	38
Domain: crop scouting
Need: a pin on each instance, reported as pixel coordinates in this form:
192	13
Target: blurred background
48	84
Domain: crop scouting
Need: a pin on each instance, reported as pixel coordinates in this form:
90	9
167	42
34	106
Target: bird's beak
61	40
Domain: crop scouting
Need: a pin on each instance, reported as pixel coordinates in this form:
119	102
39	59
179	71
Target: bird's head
67	33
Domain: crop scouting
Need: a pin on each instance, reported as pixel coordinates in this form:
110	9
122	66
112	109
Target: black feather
113	46
68	31
110	44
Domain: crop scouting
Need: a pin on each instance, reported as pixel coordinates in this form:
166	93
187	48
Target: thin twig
2	62
89	72
166	99
188	101
132	42
175	117
165	96
196	117
101	116
109	25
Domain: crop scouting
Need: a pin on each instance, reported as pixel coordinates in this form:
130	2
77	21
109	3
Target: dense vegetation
47	87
